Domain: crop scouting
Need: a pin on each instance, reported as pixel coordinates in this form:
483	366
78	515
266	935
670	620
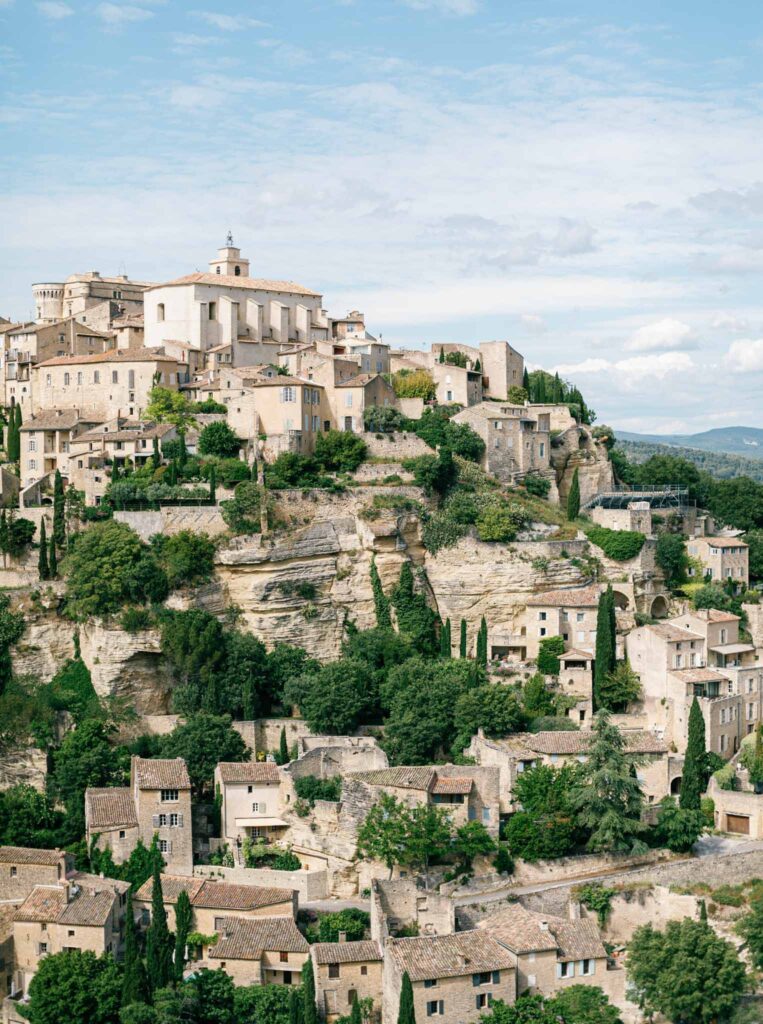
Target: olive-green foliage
549	650
537	485
414	384
311	788
619	545
73	987
435	474
352	921
241	513
438	430
218	439
11	630
415	619
340	451
202	741
187	557
671	557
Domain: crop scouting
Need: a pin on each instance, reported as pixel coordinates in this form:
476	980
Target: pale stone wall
361	980
179	854
307	885
400	902
19	885
171	519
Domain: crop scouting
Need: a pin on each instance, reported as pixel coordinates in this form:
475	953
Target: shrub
598	899
707	808
287	861
414	384
550	648
340	450
728	896
619	545
536	484
135	619
232	471
311	788
383	419
218	439
352	921
500	521
186	557
437	429
241	513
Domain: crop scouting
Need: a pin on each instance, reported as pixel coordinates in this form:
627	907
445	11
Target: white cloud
459	8
116	16
54	10
573	237
229	22
532	323
730	322
662	334
633	370
745	356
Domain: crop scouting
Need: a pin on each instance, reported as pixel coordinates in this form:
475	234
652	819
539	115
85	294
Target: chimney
574	909
342	936
543	926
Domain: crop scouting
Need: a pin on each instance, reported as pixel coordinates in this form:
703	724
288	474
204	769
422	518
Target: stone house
344	972
89	298
120	440
569	613
455	977
22	868
468	793
47	440
401	904
85	912
250	801
212	901
158	801
349	400
635	516
576	680
723	558
551	953
457	385
225	304
518	753
112	383
739	811
259	951
517	440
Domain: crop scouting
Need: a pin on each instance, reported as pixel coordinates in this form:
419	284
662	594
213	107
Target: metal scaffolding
663	496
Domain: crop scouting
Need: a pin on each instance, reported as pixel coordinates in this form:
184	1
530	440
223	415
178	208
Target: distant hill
721	465
744	441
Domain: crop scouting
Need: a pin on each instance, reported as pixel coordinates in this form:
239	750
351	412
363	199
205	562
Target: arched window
237	271
160	312
217	269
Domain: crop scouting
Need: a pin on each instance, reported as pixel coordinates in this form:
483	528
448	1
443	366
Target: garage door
738	823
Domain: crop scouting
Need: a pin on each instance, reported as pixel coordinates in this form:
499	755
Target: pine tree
156	459
53	559
573	498
381	601
212	485
283	748
183	919
462	640
308	993
134	981
158	939
42	560
59	522
605	644
406	1014
695	759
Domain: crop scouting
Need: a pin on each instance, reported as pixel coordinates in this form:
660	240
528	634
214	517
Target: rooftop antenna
229	240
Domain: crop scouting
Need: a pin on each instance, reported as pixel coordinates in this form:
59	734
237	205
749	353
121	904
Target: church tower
229	260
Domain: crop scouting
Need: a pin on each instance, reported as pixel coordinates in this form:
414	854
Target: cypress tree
283	749
114	470
381	601
406	1013
183	918
573	498
183	457
444	652
355	1015
695	759
12	449
308	992
158	939
53	560
59	522
478	367
462	640
212	484
526	381
605	643
703	911
296	1007
5	535
482	643
442	355
540	387
134	982
450	638
156	459
18	418
42	560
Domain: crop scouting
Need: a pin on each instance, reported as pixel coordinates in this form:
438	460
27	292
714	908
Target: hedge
619	545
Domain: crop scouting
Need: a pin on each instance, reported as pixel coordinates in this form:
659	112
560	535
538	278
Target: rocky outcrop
23	766
577	449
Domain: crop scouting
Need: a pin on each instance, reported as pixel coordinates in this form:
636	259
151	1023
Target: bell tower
229	260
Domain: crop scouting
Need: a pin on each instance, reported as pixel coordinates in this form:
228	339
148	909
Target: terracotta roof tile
575	597
113	355
443	784
346	952
671	633
110	808
44	903
213	895
259	284
248	771
88	908
524	744
161	773
57	419
247	938
449	956
29	855
519	930
402	777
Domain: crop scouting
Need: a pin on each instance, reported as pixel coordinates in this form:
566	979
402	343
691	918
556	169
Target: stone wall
170	519
395	446
396	904
380	470
310	885
26	765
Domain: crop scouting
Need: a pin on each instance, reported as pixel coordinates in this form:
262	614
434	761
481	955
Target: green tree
584	1004
355	1015
671	557
415	619
53	560
296	1008
472	840
430	834
414	384
156	458
340	451
310	1015
218	439
27	817
194	644
462	649
283	747
352	922
545	828
550	650
620	687
482	643
750	927
187	557
406	1013
536	698
267	1004
85	758
381	601
73	987
134	980
573	498
183	921
59	517
445	639
158	939
678	828
606	796
383	834
494	709
606	644
11	630
333	700
202	741
43	569
693	780
169	406
685	972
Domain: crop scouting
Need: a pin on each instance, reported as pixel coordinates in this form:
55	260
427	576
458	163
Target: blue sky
582	181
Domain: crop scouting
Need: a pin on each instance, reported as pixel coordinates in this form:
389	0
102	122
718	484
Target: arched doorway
659	609
675	786
622	601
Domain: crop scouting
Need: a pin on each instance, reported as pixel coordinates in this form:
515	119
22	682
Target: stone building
723	558
517	439
85	912
344	972
251	806
551	953
570	614
47	440
455	977
90	298
738	810
157	802
213	901
398	904
22	868
457	385
349	399
112	383
264	951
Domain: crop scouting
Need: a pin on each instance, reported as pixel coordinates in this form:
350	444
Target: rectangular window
283	957
213	311
169	795
174	821
333	970
363	970
164	846
566	969
482	978
32	444
79	377
14	872
255	808
66	380
96	376
288	395
542	616
587	967
33	464
162	820
430	983
483	1000
435	1008
114	377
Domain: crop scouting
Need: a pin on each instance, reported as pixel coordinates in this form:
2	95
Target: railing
139	505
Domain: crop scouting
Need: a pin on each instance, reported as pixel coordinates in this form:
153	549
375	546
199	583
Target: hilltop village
347	683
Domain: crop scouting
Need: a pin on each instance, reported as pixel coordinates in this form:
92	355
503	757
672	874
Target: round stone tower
48	301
